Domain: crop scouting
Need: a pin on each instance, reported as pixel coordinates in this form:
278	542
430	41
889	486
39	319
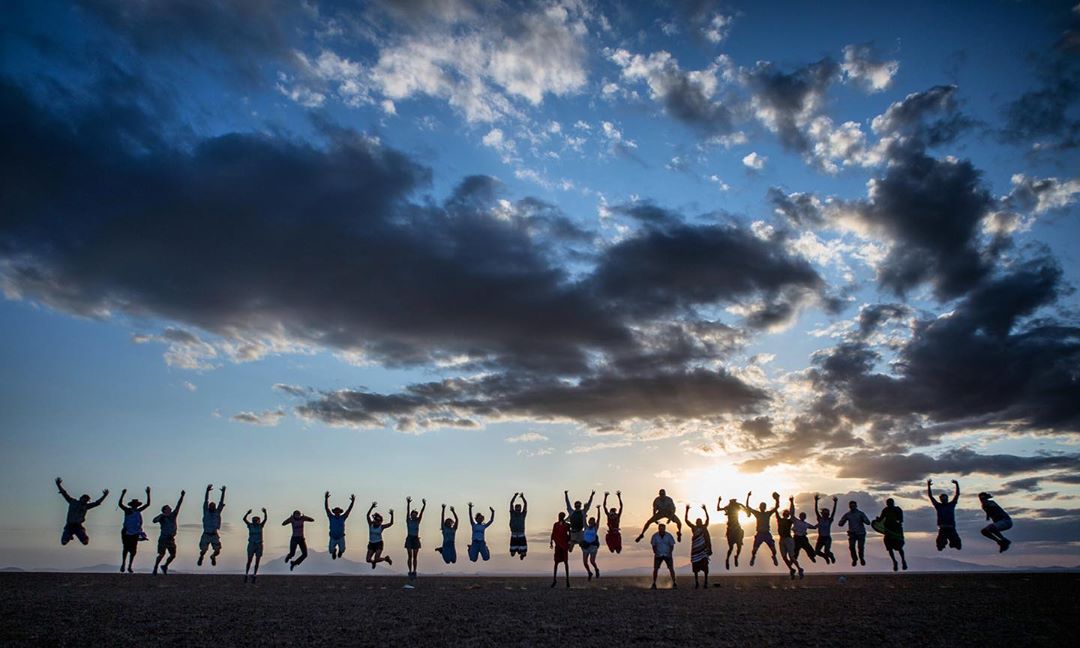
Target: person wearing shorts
412	533
734	528
785	523
823	546
255	543
856	522
297	540
560	542
613	537
448	550
663	545
211	521
74	526
478	545
167	536
375	540
336	520
575	517
763	531
700	545
946	517
132	532
663	508
590	545
999	521
519	544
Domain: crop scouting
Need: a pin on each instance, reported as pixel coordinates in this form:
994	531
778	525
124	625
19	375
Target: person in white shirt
375	539
856	522
663	544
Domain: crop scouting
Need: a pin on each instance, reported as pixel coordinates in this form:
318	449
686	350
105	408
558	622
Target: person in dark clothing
892	518
999	521
576	516
297	541
76	515
946	516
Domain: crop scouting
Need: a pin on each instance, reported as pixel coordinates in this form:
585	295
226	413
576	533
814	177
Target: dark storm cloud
928	118
800	209
898	469
785	100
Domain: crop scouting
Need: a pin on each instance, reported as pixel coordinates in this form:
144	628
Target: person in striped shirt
700	545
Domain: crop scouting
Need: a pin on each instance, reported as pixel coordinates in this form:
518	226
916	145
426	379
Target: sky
461	249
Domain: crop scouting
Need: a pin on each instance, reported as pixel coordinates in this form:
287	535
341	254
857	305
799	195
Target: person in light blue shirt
167	538
132	532
255	542
590	544
412	533
211	522
448	550
478	546
337	519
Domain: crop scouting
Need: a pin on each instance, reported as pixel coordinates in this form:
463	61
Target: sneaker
736	560
121	569
164	570
854	563
752	558
775	562
130	571
155	571
895	567
598	573
903	565
802	574
199	561
653	586
1004	546
590	575
388	561
638	539
862	561
727	563
292	566
213	561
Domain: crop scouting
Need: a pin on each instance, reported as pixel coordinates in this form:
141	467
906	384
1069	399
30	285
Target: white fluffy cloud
754	161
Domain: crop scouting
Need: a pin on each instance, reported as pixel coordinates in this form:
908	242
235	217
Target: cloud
754	161
861	66
915	467
269	418
526	437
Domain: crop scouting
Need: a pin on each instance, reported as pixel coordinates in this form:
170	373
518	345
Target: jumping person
76	515
946	516
763	532
211	522
734	528
375	541
336	519
823	546
663	509
167	537
412	533
802	543
999	521
613	537
478	546
519	544
663	545
132	532
590	544
892	519
255	542
576	515
784	525
700	545
856	522
560	542
448	550
297	541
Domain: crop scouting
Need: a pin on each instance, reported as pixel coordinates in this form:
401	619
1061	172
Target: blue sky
461	249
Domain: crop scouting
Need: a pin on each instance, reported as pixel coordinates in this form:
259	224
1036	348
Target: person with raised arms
211	523
663	509
663	545
892	527
255	542
519	544
375	540
856	522
575	517
478	545
590	544
700	545
802	541
448	550
613	537
763	531
823	546
560	542
946	516
336	520
131	534
785	523
999	521
297	540
167	536
412	533
734	528
74	525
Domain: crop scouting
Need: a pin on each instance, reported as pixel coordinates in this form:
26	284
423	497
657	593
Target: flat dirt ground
872	610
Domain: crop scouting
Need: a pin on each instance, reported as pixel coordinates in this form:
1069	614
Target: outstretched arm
705	508
833	514
179	502
456	521
391	522
929	493
605	501
817	507
492	520
326	503
246	520
524	504
147	505
956	496
352	503
566	496
791	502
776	504
747	505
370	509
719	499
686	515
423	507
307	519
588	505
287	520
63	493
98	501
408	507
221	502
263	523
120	503
512	500
619	495
206	498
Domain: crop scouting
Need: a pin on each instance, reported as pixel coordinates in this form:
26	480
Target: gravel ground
899	610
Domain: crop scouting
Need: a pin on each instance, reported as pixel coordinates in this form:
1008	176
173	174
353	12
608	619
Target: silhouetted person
211	522
519	544
999	521
823	546
167	536
255	542
412	534
856	522
613	537
663	509
76	515
590	544
734	528
448	550
297	540
131	534
763	531
575	517
375	540
802	542
336	521
784	525
663	545
946	516
700	545
560	542
478	545
892	520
